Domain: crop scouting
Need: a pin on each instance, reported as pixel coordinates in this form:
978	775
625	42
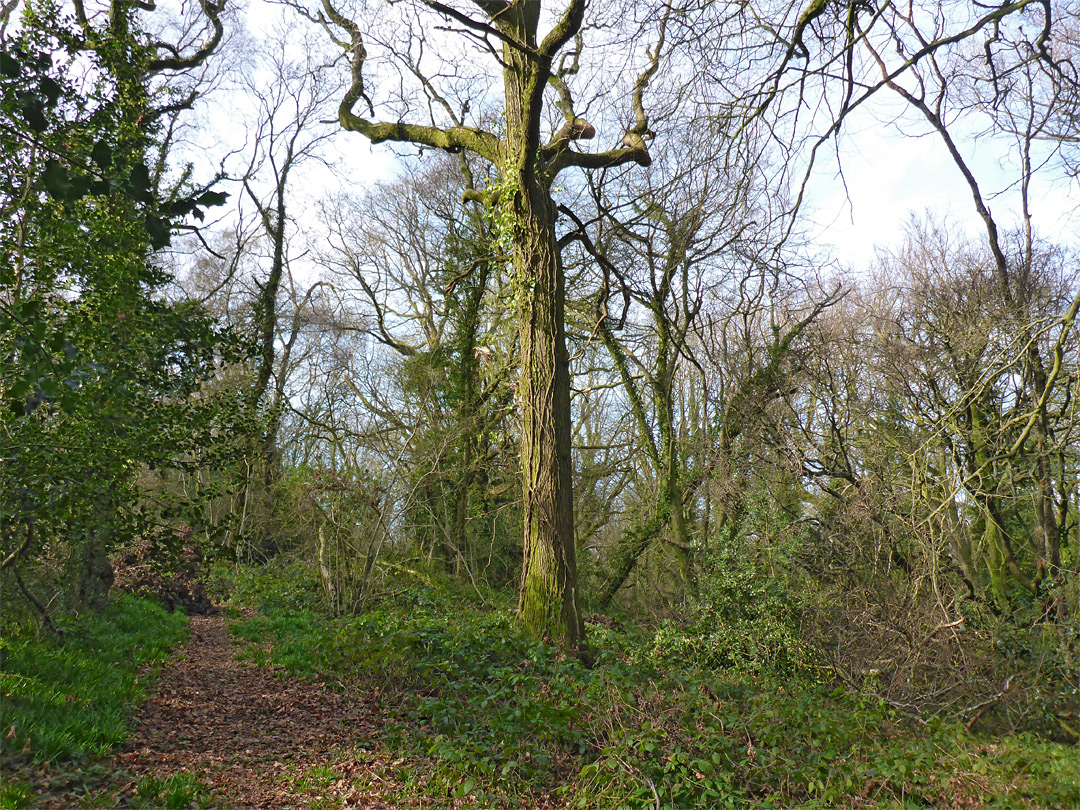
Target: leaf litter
256	738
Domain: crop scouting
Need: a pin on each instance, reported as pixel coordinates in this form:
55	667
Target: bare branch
565	29
176	62
452	139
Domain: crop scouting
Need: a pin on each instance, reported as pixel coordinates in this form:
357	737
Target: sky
887	176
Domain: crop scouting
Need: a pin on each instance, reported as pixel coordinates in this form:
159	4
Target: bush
743	617
165	565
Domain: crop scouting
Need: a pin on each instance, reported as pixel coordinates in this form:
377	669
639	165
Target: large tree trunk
549	598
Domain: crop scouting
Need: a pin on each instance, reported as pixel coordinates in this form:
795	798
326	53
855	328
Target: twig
656	796
30	597
982	708
939	628
11	558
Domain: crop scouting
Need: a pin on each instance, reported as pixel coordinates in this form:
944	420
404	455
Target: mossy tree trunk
549	599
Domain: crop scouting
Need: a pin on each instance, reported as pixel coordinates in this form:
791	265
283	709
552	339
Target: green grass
70	697
180	791
484	716
15	796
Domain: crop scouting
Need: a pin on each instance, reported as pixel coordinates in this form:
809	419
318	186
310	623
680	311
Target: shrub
744	617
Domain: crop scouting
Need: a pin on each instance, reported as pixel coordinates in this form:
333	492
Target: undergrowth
69	696
490	719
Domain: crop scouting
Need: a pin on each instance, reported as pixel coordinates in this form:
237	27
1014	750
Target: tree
528	166
419	266
1013	87
665	245
287	135
925	484
959	358
97	368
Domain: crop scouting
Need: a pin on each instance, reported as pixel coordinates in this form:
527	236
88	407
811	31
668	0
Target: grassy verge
482	717
70	696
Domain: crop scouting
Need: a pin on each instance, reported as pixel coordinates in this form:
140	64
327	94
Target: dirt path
245	731
257	739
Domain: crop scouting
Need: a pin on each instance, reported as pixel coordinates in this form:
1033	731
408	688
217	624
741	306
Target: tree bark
549	597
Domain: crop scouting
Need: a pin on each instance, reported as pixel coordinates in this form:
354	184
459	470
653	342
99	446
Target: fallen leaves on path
258	738
243	730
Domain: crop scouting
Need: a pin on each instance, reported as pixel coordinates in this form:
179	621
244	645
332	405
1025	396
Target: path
260	741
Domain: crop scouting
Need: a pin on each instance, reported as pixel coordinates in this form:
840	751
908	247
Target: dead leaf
11	733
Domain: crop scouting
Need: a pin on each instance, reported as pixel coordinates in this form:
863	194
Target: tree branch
176	62
452	139
565	29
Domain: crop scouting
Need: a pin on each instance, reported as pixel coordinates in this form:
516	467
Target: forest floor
250	736
430	698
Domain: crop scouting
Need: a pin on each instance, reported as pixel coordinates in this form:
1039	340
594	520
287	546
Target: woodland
556	465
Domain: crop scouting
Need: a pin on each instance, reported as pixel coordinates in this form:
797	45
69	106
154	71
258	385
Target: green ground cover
67	698
482	715
70	695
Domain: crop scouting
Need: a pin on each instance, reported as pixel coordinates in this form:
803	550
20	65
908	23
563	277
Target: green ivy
484	715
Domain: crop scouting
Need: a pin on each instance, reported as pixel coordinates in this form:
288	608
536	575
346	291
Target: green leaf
19	389
179	208
9	65
81	185
102	154
33	111
159	231
139	183
30	309
209	199
51	90
56	180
